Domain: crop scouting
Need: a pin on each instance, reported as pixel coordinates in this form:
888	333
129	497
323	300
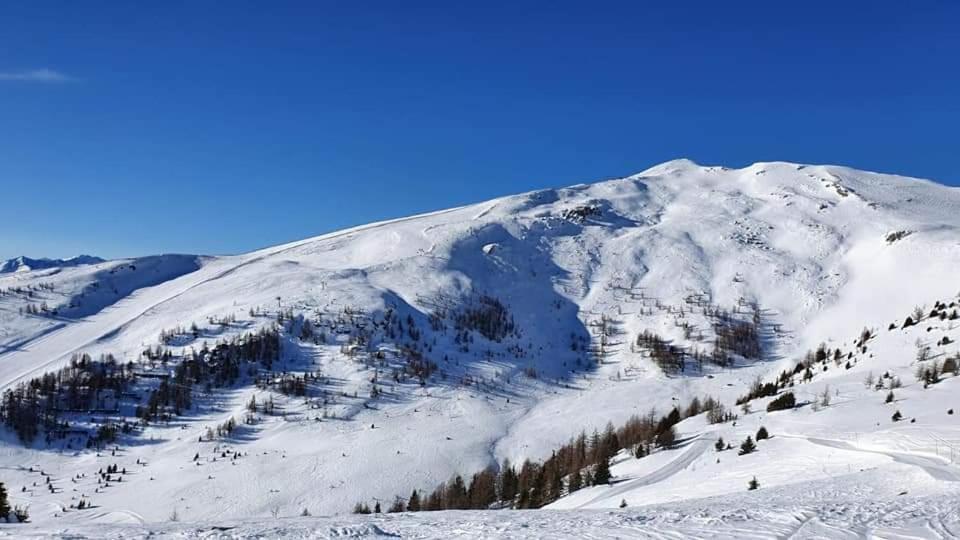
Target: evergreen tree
575	482
4	503
667	437
483	489
753	484
747	446
720	445
762	434
508	483
601	475
413	504
456	494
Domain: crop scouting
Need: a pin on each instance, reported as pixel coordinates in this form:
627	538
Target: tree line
583	461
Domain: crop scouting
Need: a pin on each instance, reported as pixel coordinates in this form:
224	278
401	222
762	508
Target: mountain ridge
24	263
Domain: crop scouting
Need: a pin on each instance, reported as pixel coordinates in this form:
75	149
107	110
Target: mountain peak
672	166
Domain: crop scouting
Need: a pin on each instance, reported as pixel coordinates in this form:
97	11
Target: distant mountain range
25	264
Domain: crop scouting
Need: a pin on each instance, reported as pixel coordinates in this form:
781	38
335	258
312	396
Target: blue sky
130	128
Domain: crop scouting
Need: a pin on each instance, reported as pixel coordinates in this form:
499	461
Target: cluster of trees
786	401
84	385
28	291
87	385
167	337
736	336
290	384
804	369
38	309
488	316
579	214
223	429
759	389
169	399
748	446
416	365
583	461
930	372
158	354
941	310
669	357
944	311
221	366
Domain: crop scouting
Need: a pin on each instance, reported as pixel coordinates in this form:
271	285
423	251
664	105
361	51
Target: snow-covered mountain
25	264
414	349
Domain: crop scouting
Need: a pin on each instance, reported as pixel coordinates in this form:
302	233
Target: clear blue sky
130	128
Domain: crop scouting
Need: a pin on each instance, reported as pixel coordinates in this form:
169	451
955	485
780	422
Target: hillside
391	356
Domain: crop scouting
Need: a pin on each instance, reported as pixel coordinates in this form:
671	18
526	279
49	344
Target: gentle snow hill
821	251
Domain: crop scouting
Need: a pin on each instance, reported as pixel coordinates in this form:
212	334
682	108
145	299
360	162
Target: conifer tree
601	475
413	504
508	483
4	503
575	482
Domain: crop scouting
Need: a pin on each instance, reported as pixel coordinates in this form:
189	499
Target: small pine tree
720	445
575	482
413	503
896	416
623	503
753	484
889	397
4	503
762	434
601	476
747	446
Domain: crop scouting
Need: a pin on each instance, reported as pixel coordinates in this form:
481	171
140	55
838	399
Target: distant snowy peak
26	264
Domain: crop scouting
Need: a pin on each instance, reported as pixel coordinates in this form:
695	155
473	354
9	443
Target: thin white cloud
35	75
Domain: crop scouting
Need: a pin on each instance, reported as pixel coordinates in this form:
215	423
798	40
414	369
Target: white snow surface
814	246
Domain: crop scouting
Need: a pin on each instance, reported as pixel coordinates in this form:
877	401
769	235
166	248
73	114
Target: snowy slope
821	250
